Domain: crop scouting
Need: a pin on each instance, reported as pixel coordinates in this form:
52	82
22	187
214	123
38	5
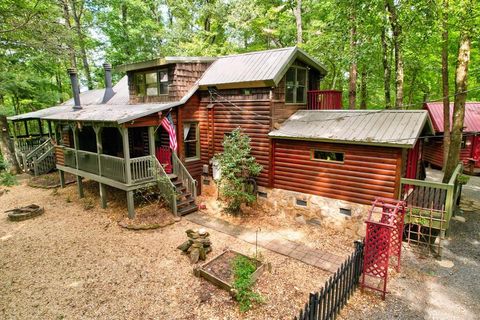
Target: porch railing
113	167
324	99
88	161
433	196
166	187
142	169
183	175
32	159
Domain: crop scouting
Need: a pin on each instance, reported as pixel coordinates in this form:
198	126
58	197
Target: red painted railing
324	99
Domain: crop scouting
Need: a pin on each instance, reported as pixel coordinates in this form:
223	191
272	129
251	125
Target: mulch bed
152	216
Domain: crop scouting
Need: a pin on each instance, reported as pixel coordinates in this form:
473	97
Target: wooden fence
328	302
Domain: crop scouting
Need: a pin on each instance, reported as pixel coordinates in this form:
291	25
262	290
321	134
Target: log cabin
162	124
470	149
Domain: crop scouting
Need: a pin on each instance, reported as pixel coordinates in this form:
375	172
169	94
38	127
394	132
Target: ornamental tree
237	167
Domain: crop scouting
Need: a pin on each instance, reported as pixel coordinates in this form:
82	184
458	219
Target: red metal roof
472	116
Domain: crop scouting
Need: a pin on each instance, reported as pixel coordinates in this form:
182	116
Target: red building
470	152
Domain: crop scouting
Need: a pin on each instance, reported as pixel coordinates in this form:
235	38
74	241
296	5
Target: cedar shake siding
181	78
366	172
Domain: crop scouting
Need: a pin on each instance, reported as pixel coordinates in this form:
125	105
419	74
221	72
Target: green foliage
7	179
236	166
243	268
463	179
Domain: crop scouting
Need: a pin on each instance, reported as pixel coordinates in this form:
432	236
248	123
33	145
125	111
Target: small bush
7	179
243	268
237	166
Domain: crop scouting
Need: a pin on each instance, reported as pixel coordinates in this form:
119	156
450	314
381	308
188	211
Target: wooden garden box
218	271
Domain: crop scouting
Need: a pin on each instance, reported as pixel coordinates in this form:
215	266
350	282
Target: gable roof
255	69
393	128
161	62
472	116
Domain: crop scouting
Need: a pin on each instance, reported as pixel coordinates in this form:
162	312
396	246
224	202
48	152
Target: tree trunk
363	89
297	12
77	17
352	84
6	146
71	49
397	47
459	105
386	69
446	99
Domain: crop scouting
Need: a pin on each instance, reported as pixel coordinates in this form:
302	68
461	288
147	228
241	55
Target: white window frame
197	140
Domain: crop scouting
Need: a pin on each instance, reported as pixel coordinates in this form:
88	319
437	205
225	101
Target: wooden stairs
185	200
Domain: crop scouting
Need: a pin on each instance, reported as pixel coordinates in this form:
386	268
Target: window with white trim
322	155
191	141
296	85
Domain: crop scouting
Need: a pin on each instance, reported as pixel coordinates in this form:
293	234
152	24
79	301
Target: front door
476	150
164	156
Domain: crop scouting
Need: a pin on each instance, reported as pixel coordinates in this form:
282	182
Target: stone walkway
271	241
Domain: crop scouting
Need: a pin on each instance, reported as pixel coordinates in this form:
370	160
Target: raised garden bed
219	270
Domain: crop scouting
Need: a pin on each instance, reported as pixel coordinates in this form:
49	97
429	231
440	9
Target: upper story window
152	83
296	85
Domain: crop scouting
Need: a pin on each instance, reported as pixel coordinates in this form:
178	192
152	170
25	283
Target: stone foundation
341	215
344	216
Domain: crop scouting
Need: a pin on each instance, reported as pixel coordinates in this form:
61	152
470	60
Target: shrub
7	179
237	166
243	268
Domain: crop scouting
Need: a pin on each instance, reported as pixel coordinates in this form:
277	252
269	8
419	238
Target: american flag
167	124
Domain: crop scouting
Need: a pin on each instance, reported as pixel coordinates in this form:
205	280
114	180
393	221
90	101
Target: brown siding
366	173
59	156
281	111
181	78
433	152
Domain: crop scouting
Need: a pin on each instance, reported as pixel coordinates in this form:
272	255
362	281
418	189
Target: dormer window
296	85
152	83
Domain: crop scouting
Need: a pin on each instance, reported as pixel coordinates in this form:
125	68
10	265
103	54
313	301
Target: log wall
367	172
433	151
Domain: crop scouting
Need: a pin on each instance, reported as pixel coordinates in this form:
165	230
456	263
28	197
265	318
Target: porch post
40	128
76	145
151	140
26	127
126	154
130	205
50	131
103	194
62	178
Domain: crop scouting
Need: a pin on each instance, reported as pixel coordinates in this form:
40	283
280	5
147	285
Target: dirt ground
76	262
428	288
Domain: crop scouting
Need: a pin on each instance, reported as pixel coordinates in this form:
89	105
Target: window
327	156
464	142
296	85
191	140
151	83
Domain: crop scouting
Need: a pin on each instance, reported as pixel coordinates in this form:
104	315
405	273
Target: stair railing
183	175
45	162
167	189
30	158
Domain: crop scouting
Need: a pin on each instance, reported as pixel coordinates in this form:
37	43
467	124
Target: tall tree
397	49
78	12
363	88
352	82
461	73
445	91
6	146
297	12
387	71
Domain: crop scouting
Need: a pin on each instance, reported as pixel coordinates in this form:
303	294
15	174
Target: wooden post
75	144
62	178
151	140
80	187
130	205
50	131
40	128
26	128
126	155
103	192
